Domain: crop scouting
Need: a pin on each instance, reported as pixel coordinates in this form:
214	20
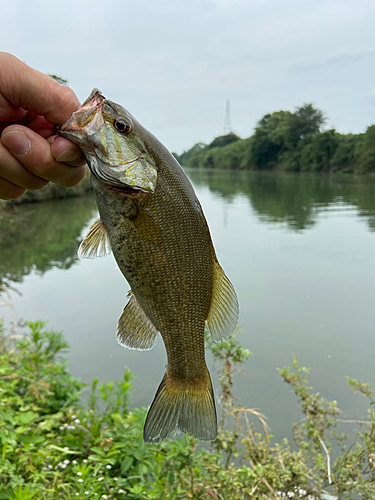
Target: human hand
30	152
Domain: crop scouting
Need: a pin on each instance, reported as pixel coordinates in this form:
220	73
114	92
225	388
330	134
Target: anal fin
223	315
96	242
134	329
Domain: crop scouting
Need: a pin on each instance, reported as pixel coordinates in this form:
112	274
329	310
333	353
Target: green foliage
316	153
291	141
234	155
53	447
282	131
346	157
308	121
279	135
366	151
186	155
223	140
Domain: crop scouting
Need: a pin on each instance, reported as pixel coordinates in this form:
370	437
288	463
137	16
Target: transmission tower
227	121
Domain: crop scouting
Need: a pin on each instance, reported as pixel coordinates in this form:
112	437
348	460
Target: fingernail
67	156
16	142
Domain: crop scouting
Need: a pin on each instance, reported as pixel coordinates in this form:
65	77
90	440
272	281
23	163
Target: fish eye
122	126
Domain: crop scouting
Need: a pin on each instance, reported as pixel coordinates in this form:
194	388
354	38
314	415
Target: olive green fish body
169	270
152	220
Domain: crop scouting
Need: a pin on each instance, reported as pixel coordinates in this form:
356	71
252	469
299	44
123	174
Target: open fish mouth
82	119
96	96
89	110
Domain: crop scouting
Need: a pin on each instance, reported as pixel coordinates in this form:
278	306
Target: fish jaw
77	129
109	155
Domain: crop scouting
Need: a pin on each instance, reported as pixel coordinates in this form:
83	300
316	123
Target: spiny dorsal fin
96	242
223	315
134	329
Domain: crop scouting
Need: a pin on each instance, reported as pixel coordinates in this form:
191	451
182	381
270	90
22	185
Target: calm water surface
300	251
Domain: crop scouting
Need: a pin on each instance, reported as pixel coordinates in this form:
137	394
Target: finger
15	173
40	125
10	112
34	153
67	152
9	191
27	88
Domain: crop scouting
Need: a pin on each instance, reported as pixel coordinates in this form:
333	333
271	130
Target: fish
152	221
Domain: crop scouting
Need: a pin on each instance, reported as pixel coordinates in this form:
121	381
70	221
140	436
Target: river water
299	249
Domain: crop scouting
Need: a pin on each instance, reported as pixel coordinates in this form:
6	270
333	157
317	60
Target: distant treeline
288	141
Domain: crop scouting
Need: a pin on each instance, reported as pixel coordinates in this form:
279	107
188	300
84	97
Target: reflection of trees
45	235
295	199
362	195
225	183
41	236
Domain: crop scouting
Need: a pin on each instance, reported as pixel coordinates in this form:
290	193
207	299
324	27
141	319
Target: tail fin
187	406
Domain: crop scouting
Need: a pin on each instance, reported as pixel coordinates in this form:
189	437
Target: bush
366	151
53	447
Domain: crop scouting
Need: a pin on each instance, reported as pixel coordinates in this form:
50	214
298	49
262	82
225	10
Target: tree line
289	141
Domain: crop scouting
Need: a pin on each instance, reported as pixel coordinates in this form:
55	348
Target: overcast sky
175	63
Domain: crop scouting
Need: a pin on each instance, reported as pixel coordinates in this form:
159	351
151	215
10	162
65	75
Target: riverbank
51	192
288	141
55	447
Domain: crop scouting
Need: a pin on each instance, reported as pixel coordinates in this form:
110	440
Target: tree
309	120
367	151
282	131
317	153
224	140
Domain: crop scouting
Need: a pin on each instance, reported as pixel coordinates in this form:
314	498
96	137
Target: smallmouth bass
153	222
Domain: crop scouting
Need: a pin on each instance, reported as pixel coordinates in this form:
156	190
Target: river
299	249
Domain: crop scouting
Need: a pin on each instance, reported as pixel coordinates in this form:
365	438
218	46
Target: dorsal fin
223	315
134	329
96	242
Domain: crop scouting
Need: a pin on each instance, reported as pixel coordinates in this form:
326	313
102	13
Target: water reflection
294	199
41	236
45	235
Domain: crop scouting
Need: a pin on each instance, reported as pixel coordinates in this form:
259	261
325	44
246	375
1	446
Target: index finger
28	88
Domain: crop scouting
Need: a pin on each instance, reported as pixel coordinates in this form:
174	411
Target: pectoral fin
134	329
96	242
223	315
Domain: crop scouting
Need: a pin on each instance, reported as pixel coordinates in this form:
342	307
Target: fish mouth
72	129
96	96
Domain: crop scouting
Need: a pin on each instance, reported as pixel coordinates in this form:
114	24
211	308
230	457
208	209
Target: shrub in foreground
54	447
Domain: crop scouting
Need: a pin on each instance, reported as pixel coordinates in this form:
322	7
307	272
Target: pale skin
31	154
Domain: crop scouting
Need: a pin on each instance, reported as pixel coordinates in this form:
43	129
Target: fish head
112	141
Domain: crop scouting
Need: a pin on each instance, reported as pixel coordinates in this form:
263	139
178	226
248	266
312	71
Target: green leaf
64	450
5	446
142	469
170	477
126	464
